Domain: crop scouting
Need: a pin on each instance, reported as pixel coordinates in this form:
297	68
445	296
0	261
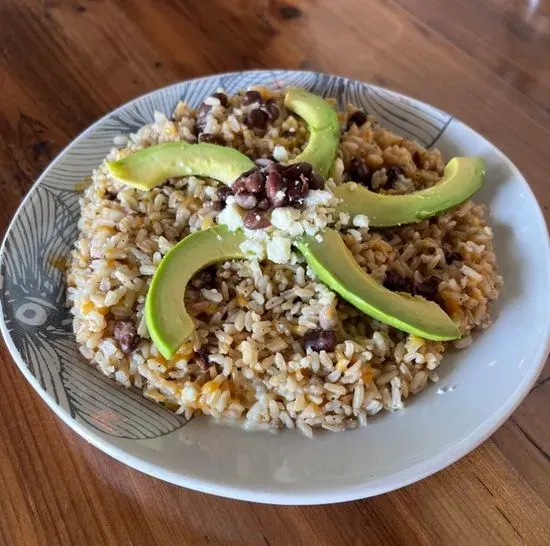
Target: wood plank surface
65	63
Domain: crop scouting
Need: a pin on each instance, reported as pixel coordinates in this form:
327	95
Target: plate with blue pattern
490	379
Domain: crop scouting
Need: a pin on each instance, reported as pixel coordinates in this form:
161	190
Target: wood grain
65	63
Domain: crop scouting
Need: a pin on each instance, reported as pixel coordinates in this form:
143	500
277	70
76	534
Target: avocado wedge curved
150	167
168	322
337	268
323	125
462	177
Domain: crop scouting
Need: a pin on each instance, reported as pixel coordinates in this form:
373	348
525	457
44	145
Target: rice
246	361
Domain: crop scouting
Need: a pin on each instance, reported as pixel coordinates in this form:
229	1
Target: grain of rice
304	428
338	390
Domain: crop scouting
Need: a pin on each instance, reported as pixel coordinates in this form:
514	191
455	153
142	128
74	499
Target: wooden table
64	63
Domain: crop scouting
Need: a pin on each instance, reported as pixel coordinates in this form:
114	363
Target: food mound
268	261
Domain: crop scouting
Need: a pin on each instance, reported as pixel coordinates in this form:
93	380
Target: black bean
280	199
238	185
252	96
255	182
221	197
246	200
296	170
203	360
222	97
397	283
200	125
392	174
203	110
223	193
200	122
358	118
320	340
316	182
204	278
275	190
242	183
296	191
255	220
427	288
288	134
271	109
264	204
451	257
211	138
360	173
273	182
274	166
257	120
125	334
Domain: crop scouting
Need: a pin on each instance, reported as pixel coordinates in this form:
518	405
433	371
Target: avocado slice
336	267
323	125
462	177
167	319
150	167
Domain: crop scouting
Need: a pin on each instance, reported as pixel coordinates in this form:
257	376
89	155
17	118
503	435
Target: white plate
490	379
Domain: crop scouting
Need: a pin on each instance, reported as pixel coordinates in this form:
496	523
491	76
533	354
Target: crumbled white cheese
287	219
278	249
310	229
253	248
287	224
232	215
344	218
319	238
318	197
256	234
280	154
356	235
361	221
310	273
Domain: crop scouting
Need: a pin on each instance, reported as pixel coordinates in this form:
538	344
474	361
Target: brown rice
251	316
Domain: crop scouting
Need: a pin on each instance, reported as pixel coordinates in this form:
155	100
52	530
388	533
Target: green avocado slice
168	322
150	167
336	267
323	125
462	177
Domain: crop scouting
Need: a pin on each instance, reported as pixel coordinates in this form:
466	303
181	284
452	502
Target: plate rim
395	481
